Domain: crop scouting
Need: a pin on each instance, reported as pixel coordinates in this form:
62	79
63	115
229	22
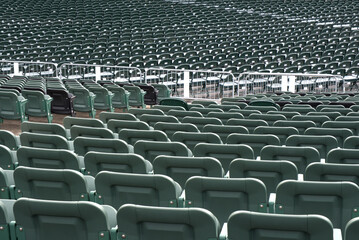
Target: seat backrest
281	132
117	189
352	125
269	118
84	145
352	229
90	132
300	156
182	168
343	156
225	116
245	225
255	141
225	153
271	173
9	108
87	122
301	126
191	139
57	220
339	133
131	136
45	128
9	140
301	110
47	158
153	119
144	222
171	128
332	172
50	184
200	122
337	201
323	143
117	125
351	142
224	131
317	119
39	140
223	196
138	112
250	124
106	116
35	102
180	114
151	149
96	162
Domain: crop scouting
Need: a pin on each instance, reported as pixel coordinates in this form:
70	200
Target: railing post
98	73
16	68
186	84
291	82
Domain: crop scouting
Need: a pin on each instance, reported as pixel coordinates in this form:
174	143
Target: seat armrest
224	232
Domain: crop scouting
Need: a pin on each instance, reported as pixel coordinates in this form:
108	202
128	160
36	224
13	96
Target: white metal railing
25	68
99	72
258	82
194	83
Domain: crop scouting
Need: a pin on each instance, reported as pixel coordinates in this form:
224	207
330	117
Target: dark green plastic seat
117	189
352	125
225	108
225	153
171	128
117	125
317	119
224	131
46	128
39	140
191	139
205	103
200	122
332	172
52	184
301	110
38	104
90	132
84	101
166	108
12	106
339	133
9	140
180	169
342	111
84	145
145	222
245	112
48	158
250	124
352	229
180	114
87	122
151	149
286	114
151	120
107	116
300	125
225	116
174	102
255	141
331	115
131	136
223	196
245	225
323	143
58	220
205	111
262	109
271	173
300	156
96	162
351	142
337	201
120	97
281	132
343	156
269	118
138	112
136	98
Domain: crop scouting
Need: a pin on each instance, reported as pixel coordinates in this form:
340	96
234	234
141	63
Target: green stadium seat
12	106
343	156
191	139
138	112
6	216
117	189
120	98
269	118
225	116
317	119
93	132
281	132
84	101
179	114
352	125
151	120
172	128
167	108
224	131
351	142
131	136
45	128
87	122
250	124
83	145
39	140
339	133
300	125
38	104
107	116
351	229
117	125
9	140
200	122
136	98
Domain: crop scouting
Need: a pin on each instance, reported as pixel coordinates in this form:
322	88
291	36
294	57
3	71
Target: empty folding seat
317	119
245	112
171	128
262	109
52	184
166	108
269	118
137	96
145	222
163	91
332	172
345	156
96	162
205	103
84	101
300	156
6	217
191	139
281	132
205	111
120	97
351	230
180	169
323	143
301	110
62	101
12	106
271	173
131	136
44	219
38	104
338	201
223	196
46	128
348	118
352	125
48	158
245	225
351	142
9	140
224	131
93	132
84	145
339	133
138	112
87	122
39	140
225	153
225	116
255	141
331	115
107	116
151	149
181	114
117	125
117	189
343	111
250	124
151	120
300	125
200	122
225	108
